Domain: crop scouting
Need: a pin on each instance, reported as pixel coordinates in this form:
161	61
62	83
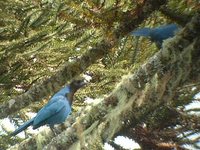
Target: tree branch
70	70
138	93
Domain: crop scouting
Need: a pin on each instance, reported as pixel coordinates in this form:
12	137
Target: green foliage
37	37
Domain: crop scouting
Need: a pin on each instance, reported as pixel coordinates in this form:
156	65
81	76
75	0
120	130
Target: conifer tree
139	91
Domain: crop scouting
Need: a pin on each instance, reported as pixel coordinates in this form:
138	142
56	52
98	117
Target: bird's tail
23	127
141	32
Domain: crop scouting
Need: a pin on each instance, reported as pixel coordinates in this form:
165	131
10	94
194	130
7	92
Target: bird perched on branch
158	34
56	110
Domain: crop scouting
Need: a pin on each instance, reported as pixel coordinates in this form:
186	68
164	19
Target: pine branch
70	70
136	95
181	19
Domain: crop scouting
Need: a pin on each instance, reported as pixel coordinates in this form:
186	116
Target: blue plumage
158	34
56	110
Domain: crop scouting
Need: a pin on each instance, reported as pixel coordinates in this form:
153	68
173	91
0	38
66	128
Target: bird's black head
76	84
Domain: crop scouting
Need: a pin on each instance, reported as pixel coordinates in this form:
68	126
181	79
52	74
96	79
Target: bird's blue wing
141	32
169	28
163	32
56	105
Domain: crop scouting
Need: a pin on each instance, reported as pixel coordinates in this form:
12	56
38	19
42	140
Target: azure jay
157	34
56	110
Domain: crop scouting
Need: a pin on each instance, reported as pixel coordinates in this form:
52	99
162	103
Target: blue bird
56	110
158	34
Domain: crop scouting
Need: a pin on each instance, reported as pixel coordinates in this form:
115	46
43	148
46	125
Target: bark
139	93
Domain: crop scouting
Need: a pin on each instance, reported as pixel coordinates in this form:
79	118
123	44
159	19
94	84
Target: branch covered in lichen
137	97
138	94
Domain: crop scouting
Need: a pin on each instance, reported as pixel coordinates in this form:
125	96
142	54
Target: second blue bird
158	34
56	110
